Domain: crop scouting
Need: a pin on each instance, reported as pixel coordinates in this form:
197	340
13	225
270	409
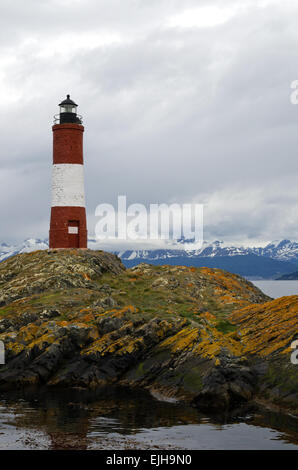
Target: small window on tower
73	226
73	229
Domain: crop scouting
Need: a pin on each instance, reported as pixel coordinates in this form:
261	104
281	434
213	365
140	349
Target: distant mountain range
284	250
269	262
289	277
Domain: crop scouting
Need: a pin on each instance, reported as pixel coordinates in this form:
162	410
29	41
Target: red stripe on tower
68	227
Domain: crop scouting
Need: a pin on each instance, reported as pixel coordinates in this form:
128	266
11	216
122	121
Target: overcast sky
183	101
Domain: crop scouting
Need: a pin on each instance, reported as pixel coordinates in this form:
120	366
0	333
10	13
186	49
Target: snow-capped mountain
269	262
284	250
31	244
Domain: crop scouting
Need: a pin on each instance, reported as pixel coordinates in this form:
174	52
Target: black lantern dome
68	112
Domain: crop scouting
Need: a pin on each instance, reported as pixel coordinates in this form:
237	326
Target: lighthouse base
68	227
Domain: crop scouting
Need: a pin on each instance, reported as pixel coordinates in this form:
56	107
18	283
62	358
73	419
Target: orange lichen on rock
184	339
86	276
269	327
209	317
213	342
107	345
28	333
89	317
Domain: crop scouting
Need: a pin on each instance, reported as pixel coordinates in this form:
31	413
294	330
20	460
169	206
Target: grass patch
224	326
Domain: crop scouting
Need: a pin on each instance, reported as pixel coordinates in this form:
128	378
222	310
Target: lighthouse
68	227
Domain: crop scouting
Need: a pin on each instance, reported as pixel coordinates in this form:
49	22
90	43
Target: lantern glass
68	108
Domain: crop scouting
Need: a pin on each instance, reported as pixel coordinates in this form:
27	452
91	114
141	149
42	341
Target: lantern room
68	112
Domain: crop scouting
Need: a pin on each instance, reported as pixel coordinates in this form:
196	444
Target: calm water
120	419
277	288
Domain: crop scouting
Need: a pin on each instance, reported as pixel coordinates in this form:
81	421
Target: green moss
282	376
219	310
224	326
4	311
192	380
140	370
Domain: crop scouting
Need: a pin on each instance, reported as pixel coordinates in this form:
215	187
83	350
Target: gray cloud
172	114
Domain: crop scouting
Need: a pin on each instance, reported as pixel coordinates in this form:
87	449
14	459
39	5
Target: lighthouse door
73	234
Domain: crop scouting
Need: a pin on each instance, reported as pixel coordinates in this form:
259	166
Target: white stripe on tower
68	185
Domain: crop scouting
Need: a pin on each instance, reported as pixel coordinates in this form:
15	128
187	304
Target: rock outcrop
78	318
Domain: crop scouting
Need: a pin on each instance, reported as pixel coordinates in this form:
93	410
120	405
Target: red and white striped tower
68	228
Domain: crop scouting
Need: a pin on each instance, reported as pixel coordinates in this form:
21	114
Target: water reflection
117	417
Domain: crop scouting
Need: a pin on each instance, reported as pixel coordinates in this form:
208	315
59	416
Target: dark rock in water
227	386
77	318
